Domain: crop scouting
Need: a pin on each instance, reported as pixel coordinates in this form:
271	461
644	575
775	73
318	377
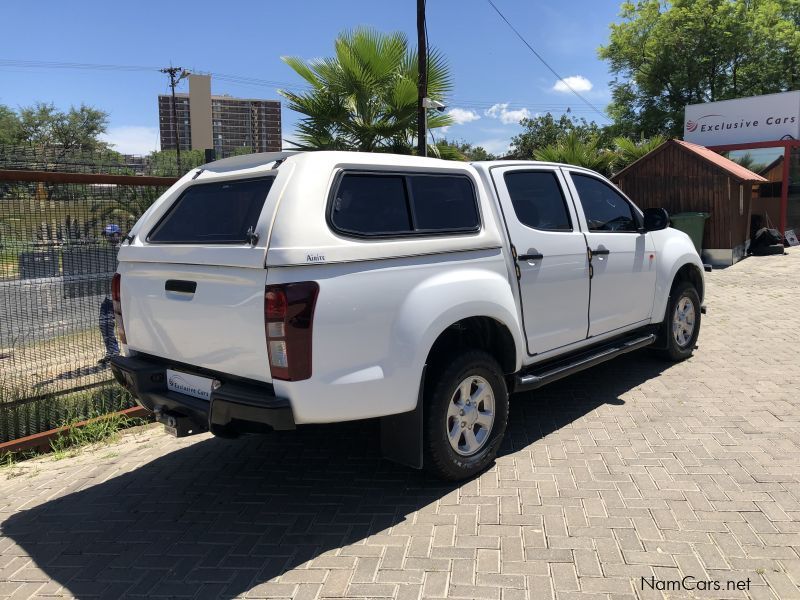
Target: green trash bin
692	224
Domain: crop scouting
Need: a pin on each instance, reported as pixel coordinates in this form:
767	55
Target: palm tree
365	97
748	161
575	150
629	151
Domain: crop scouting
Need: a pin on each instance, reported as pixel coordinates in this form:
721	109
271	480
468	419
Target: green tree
627	150
10	131
545	130
164	163
574	149
748	161
461	150
365	96
36	123
241	151
665	55
79	128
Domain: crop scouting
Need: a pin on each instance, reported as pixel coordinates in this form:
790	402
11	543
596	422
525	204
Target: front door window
605	209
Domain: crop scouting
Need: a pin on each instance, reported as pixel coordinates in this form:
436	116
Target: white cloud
462	115
579	83
496	146
507	117
132	139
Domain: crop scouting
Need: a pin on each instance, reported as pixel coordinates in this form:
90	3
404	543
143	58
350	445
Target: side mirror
655	219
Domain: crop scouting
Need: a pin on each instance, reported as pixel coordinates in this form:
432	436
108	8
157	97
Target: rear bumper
234	406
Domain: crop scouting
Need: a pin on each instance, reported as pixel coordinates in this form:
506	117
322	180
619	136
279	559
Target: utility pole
175	76
422	82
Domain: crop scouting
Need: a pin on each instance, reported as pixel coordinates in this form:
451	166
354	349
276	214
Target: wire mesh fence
105	160
53	158
100	160
58	246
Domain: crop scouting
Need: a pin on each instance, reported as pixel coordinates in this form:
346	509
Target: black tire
440	457
672	349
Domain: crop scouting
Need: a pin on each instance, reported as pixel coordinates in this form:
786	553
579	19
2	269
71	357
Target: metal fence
58	245
56	159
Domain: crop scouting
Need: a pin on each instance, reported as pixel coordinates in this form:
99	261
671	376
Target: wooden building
767	196
685	177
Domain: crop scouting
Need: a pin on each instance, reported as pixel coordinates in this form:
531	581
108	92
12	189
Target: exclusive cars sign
756	119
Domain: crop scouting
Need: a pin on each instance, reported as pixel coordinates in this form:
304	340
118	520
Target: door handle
600	252
526	257
181	286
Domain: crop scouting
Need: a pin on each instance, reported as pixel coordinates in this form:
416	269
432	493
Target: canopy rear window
402	204
213	213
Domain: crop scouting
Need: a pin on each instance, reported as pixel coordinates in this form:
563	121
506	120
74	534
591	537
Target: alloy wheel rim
683	322
470	416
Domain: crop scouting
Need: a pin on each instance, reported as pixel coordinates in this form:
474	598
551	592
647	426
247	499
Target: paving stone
606	585
782	585
474	592
488	561
587	563
565	578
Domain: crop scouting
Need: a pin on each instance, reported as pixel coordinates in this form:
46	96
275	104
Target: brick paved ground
633	469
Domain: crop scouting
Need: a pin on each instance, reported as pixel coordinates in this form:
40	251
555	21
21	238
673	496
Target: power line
544	62
255	82
44	64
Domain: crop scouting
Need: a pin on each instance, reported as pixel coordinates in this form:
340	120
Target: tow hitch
176	425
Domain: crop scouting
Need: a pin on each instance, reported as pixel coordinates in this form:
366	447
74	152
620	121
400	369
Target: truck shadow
534	415
218	517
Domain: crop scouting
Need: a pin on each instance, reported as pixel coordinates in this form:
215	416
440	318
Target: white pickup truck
270	290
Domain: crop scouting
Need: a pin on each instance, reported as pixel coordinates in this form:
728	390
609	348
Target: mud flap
401	435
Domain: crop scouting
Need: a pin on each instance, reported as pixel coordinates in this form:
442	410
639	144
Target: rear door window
213	213
538	201
367	204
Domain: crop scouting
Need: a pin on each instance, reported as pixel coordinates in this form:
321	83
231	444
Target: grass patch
9	462
20	418
99	430
103	429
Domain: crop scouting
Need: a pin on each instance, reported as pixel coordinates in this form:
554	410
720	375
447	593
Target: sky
497	79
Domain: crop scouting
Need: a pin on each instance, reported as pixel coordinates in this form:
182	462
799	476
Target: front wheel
466	411
681	322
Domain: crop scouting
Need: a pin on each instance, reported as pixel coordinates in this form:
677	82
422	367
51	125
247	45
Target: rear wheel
681	322
466	411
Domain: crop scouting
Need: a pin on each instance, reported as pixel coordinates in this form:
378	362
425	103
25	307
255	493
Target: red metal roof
734	169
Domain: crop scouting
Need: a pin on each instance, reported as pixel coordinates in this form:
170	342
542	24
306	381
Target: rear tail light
288	324
116	298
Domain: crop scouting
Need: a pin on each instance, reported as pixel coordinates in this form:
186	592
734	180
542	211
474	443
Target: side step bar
554	372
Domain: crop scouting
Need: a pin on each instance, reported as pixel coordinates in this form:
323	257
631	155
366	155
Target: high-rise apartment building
223	123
